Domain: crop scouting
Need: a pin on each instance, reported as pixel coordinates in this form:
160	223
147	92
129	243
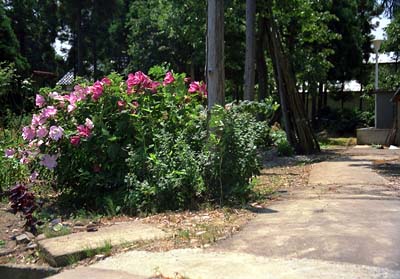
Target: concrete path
346	224
58	251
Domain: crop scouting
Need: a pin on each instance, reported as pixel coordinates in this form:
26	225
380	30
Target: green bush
345	121
280	141
146	145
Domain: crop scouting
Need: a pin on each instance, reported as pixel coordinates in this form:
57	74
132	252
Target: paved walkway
346	224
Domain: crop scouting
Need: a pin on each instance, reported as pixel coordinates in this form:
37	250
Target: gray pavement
346	224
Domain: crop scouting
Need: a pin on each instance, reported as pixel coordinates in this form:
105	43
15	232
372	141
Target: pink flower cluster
198	87
84	131
139	81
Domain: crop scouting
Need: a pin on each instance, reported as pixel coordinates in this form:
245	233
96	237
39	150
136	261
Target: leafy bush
280	141
345	121
143	143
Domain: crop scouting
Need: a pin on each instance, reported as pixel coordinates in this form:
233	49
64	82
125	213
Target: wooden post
215	53
250	50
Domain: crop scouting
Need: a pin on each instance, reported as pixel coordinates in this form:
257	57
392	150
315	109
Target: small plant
23	201
280	141
49	232
2	243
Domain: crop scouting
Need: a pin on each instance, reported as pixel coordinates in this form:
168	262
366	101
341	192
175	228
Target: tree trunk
261	63
298	129
79	56
250	50
215	53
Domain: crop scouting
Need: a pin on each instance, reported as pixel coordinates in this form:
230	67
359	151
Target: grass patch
327	142
50	232
105	249
2	243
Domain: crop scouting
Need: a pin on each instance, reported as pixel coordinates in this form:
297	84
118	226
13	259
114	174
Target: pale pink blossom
56	132
169	78
56	96
71	108
37	120
40	100
49	112
9	153
49	161
28	133
41	132
89	123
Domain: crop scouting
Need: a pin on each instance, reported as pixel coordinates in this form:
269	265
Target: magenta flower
56	132
40	100
75	140
28	133
169	78
49	161
89	123
41	132
97	90
154	85
121	104
106	80
9	153
138	79
83	131
200	87
49	112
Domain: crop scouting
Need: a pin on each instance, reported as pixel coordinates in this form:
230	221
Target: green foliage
11	170
279	139
231	152
345	121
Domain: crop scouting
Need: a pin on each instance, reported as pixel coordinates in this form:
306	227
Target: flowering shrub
142	141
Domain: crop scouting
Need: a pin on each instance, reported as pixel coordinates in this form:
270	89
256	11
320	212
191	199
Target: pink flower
169	78
49	112
106	80
71	108
187	79
24	160
198	87
121	104
9	153
135	104
97	90
40	101
138	79
28	133
49	161
41	132
75	140
89	123
154	85
56	96
83	131
56	132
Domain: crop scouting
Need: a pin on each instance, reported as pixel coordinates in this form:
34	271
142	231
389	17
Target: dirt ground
190	229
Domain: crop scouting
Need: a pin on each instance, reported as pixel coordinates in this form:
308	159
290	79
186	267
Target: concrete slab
15	271
97	273
364	232
198	264
347	172
59	250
